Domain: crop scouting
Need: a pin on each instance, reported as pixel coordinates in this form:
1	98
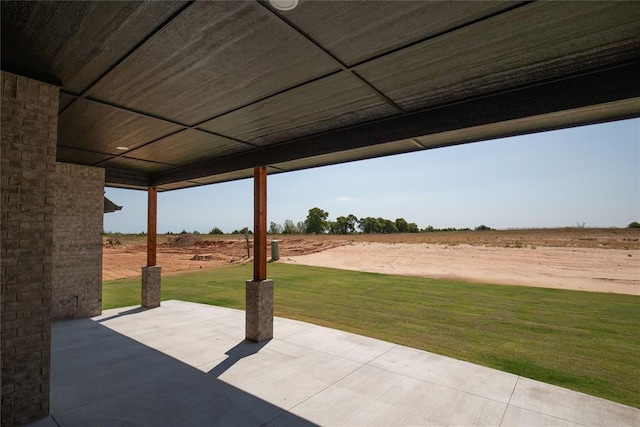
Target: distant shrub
241	231
216	230
634	224
482	228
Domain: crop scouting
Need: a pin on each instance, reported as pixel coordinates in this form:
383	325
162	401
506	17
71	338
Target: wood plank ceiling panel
81	157
328	103
188	146
537	41
75	42
214	57
355	31
94	127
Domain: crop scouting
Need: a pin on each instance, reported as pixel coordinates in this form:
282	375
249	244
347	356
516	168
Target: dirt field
601	260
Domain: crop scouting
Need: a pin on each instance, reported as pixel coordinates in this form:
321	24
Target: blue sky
588	175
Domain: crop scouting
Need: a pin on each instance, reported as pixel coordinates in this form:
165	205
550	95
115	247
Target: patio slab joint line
381	354
506	408
288	410
447	386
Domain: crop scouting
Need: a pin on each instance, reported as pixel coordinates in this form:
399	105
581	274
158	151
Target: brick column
28	133
259	310
77	242
151	285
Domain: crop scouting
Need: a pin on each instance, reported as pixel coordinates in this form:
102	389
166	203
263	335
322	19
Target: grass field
583	341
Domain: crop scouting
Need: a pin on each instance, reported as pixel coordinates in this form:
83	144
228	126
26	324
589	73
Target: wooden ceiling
201	92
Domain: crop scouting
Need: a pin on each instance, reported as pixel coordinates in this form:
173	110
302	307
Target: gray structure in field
160	96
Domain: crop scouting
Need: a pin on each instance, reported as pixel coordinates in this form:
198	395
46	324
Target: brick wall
77	242
28	150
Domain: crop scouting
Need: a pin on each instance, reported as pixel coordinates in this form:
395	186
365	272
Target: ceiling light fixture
284	5
122	148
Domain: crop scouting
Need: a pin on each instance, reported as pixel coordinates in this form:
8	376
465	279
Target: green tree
316	222
388	226
339	226
344	225
402	225
352	223
369	225
300	225
413	228
634	224
290	227
275	228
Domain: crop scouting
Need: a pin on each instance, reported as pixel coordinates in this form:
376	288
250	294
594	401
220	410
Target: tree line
317	222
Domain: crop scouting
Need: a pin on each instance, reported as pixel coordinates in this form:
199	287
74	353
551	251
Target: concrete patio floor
187	364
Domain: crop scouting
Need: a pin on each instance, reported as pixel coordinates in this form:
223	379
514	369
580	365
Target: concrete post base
259	312
151	287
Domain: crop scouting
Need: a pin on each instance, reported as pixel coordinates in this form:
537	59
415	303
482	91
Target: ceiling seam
131	51
264	98
134	111
442	33
293	27
162	119
124	153
89	151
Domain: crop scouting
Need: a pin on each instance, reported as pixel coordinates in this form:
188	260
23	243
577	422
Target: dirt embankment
124	260
603	260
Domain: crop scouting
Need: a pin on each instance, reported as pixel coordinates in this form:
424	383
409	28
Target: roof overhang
202	92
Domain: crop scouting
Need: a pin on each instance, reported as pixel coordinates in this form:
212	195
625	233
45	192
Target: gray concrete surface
188	364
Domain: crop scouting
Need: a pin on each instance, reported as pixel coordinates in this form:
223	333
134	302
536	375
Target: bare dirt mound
183	241
191	252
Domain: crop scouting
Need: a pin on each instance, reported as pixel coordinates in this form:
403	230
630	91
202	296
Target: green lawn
584	341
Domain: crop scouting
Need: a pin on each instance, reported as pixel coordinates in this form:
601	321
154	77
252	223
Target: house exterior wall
77	242
29	122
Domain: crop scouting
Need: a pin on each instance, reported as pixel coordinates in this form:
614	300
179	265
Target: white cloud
343	199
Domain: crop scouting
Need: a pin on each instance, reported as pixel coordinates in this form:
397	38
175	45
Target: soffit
201	92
